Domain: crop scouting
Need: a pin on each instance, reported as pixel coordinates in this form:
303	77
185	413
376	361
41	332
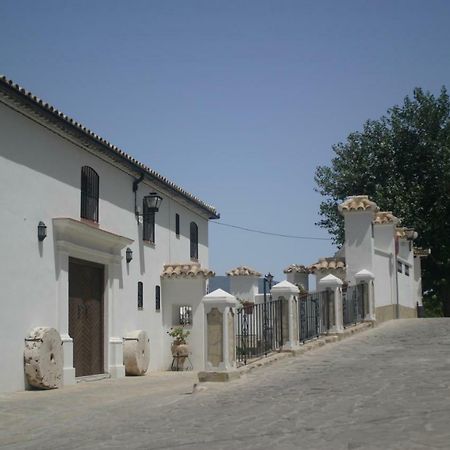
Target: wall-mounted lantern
42	231
129	255
153	201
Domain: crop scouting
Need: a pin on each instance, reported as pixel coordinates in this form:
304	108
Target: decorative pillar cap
285	286
219	296
330	281
364	275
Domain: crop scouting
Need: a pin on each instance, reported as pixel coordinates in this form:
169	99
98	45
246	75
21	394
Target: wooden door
86	285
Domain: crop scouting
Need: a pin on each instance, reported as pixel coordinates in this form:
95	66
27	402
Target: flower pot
179	352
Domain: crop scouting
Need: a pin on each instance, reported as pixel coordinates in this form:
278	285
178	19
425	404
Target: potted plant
179	347
247	305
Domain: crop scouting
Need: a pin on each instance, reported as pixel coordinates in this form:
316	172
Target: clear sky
236	101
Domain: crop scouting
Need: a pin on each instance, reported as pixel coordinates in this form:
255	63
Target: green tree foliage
402	161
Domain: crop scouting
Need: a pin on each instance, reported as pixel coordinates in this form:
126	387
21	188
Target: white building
375	243
86	192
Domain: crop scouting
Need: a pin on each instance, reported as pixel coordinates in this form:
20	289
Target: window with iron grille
194	240
399	267
89	193
158	298
177	225
148	229
185	315
140	298
407	270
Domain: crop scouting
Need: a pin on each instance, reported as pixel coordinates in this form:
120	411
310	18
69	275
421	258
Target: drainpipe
136	182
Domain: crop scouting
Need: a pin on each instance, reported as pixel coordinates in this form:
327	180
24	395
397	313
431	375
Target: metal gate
259	330
314	316
86	281
353	304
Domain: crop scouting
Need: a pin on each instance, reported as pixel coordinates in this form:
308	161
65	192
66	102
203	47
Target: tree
402	161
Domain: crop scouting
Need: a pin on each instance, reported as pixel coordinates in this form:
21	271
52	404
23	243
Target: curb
303	348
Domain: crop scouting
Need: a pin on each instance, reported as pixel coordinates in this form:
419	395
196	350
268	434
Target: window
89	193
158	298
406	270
177	225
185	315
194	240
399	267
140	298
148	229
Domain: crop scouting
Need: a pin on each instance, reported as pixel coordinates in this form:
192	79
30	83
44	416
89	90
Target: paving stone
387	388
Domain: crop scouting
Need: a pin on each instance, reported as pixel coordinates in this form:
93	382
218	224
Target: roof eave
86	138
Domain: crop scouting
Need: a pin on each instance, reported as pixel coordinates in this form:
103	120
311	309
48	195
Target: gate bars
354	303
259	330
314	314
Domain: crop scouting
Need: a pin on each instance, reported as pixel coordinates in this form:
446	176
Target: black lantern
129	255
42	231
269	278
153	201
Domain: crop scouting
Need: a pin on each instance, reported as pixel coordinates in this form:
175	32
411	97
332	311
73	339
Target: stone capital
330	281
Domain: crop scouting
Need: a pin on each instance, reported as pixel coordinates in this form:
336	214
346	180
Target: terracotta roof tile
243	271
358	203
384	217
188	270
328	264
297	268
405	233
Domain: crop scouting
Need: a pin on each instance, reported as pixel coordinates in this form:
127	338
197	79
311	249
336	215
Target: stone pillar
116	366
334	285
220	337
367	277
288	293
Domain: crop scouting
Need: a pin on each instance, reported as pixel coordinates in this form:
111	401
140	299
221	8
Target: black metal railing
259	330
314	314
354	304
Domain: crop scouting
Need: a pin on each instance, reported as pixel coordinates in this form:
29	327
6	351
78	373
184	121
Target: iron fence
354	304
314	314
259	330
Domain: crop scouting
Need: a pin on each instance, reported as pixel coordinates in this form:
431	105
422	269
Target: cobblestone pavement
388	388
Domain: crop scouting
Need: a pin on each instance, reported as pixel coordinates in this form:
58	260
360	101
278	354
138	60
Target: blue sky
236	101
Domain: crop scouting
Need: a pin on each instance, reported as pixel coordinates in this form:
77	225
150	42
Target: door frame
76	239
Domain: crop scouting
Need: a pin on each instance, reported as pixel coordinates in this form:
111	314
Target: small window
140	299
185	315
148	230
177	225
399	267
158	298
89	193
194	241
406	270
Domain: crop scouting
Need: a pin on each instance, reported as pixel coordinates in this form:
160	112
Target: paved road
388	388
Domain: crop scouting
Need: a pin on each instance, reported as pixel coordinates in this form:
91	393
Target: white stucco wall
184	292
407	294
40	180
244	287
359	244
298	277
384	284
418	279
384	265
